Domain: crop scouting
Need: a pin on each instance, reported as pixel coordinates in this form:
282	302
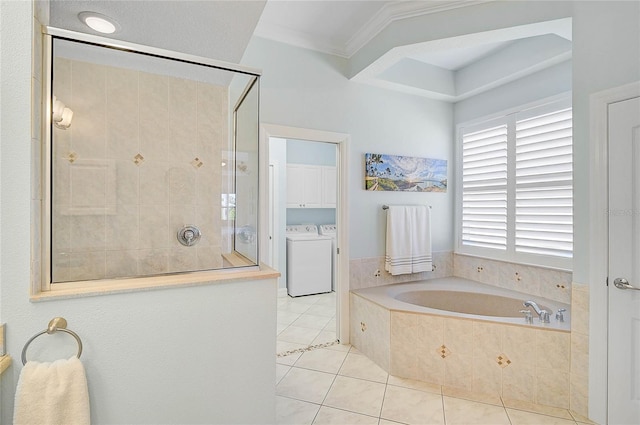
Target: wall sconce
61	115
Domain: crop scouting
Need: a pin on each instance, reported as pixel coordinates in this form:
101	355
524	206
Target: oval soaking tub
465	335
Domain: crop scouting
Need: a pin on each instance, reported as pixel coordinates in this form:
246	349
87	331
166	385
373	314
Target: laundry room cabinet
311	186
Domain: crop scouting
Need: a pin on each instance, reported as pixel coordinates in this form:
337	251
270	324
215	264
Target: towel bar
386	207
56	324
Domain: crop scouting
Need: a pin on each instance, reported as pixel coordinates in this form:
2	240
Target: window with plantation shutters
516	201
484	188
544	188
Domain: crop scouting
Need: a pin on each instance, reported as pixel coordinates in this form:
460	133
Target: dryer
330	231
308	261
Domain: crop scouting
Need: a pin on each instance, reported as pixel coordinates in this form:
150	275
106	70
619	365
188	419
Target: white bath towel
52	394
408	246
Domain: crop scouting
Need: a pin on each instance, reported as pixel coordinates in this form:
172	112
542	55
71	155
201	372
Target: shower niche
150	162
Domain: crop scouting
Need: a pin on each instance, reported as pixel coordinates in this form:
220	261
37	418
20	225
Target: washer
330	230
308	261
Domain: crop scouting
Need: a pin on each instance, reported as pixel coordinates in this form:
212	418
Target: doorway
273	219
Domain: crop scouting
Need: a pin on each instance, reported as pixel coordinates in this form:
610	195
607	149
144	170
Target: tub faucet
543	314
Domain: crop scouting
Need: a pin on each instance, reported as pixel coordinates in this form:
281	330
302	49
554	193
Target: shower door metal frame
49	33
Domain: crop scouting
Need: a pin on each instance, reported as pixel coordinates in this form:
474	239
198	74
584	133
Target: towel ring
57	324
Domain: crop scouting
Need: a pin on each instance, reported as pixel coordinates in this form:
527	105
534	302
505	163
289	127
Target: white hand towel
408	244
52	394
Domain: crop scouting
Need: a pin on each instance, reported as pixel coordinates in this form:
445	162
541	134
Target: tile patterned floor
338	385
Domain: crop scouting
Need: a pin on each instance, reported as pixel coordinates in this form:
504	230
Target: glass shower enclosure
151	164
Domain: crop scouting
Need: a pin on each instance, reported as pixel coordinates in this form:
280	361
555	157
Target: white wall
301	88
189	355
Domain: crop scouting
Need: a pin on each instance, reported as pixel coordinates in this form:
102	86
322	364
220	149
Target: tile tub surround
536	281
126	178
520	362
370	272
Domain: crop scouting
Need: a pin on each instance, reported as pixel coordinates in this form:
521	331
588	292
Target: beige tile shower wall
514	362
141	159
370	272
536	281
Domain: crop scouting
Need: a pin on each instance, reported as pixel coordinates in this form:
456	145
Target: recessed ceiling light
98	22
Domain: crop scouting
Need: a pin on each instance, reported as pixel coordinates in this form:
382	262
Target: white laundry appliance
330	230
308	261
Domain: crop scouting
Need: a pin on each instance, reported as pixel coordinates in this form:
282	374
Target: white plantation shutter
517	186
484	188
544	194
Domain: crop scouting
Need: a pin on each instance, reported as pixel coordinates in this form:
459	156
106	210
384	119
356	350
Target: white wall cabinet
329	186
311	186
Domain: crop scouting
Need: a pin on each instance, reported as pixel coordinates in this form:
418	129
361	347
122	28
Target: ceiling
449	69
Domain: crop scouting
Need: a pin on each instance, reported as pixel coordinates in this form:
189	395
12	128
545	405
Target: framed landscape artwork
404	173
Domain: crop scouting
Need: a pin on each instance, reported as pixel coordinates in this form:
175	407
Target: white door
624	263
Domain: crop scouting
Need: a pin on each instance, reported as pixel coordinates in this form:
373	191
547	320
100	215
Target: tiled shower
147	154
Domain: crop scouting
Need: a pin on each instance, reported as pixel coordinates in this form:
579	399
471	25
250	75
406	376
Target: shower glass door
153	164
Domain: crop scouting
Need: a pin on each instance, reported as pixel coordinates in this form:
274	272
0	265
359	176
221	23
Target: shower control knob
189	235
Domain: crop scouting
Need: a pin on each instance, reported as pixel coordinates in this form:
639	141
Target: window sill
116	286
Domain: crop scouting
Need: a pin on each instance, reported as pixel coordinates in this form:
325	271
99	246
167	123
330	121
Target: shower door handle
622	283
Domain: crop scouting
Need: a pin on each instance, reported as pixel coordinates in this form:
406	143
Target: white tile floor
339	385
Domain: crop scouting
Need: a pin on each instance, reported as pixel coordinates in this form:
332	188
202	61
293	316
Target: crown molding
388	14
397	11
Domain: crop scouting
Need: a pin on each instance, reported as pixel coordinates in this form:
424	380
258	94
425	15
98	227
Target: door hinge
607	282
337	250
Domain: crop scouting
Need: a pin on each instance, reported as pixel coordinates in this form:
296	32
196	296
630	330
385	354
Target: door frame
599	243
342	208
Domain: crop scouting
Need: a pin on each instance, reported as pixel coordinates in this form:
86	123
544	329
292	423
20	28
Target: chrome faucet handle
544	316
528	316
560	315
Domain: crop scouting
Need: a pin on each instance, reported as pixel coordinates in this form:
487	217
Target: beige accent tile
331	416
122	113
464	412
458	336
375	339
517	345
536	408
552	387
154	116
359	366
122	228
553	349
182	183
154	183
580	309
122	263
580	419
295	412
412	407
87	232
518	417
306	385
414	384
579	353
403	360
322	360
458	371
183	259
153	261
518	382
579	399
472	395
356	395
